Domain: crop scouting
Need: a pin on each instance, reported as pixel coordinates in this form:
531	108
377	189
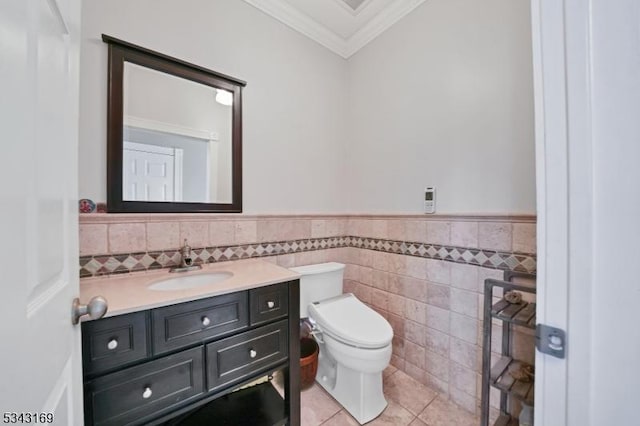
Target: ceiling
343	26
354	4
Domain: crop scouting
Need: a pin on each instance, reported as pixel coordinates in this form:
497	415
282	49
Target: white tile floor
410	404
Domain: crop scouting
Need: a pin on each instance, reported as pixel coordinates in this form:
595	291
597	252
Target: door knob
96	308
270	304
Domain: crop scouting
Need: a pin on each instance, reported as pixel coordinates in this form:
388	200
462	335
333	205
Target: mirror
174	135
176	139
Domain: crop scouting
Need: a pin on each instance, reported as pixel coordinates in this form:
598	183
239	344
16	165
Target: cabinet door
269	303
184	324
112	342
235	358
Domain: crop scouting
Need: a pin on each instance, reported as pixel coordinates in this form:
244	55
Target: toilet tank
319	282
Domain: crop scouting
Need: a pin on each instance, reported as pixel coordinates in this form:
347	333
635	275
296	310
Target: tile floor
410	404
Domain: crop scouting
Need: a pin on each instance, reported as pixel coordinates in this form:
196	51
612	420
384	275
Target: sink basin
185	282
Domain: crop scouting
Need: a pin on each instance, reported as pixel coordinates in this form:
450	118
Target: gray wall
445	97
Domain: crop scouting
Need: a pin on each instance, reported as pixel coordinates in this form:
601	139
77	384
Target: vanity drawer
111	342
133	395
269	303
189	323
234	358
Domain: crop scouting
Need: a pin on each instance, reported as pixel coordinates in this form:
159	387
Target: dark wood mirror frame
121	52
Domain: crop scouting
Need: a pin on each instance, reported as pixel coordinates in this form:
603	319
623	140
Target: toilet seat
348	320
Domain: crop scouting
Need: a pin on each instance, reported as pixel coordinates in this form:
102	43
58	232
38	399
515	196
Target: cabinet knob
270	304
253	353
206	321
147	393
113	343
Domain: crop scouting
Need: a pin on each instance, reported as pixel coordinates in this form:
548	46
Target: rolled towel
513	297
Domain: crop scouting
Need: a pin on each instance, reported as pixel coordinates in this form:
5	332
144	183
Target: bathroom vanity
178	356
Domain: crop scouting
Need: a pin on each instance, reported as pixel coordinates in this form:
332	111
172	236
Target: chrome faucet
186	261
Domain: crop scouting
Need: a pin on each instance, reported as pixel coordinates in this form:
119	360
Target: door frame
561	36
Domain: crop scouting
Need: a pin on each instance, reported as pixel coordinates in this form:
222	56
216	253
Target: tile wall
424	274
435	306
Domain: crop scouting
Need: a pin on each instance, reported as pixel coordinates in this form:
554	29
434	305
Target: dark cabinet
114	342
146	390
234	358
179	325
268	303
157	366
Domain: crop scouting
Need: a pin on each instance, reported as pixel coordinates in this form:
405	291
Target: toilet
354	340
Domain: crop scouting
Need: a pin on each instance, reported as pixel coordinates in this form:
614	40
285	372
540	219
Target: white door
40	361
587	93
151	173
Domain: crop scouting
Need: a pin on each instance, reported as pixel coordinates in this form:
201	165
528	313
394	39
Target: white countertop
126	293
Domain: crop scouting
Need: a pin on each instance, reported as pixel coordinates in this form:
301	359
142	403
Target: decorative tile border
125	263
520	262
118	264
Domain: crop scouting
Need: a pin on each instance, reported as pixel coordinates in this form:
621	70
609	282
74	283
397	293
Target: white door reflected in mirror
177	139
151	172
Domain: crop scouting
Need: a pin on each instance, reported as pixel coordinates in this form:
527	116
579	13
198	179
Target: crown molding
288	15
292	17
380	23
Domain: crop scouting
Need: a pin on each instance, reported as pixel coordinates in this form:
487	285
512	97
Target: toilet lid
351	321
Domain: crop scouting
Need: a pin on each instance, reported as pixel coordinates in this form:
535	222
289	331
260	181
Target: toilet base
359	393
